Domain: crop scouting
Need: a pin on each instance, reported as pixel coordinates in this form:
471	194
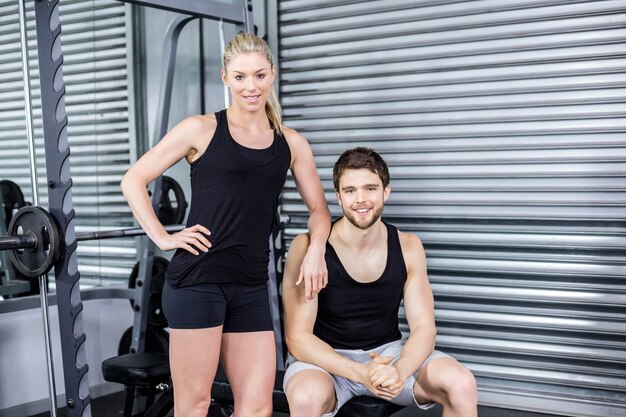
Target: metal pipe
208	9
28	103
201	69
220	26
43	279
29	240
18	242
45	313
109	234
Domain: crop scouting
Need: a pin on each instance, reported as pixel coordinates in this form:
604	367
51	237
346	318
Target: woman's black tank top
235	192
355	315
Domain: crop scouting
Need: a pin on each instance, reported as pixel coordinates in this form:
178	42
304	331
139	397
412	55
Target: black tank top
234	193
355	315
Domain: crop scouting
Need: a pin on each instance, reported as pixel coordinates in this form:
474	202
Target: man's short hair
359	158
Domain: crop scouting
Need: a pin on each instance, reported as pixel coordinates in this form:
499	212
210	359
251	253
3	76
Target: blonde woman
215	298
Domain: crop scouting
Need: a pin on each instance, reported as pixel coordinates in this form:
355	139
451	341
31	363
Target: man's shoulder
301	239
410	242
299	245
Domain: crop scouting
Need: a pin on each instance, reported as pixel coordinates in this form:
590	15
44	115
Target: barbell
35	239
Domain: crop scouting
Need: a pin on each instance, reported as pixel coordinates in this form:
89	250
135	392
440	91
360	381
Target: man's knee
306	398
305	402
462	391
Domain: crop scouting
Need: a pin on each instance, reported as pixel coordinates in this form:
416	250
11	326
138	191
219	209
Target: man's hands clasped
383	378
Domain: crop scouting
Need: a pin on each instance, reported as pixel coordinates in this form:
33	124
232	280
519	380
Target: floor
111	406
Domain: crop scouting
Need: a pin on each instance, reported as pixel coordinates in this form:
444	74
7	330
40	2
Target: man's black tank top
235	192
355	315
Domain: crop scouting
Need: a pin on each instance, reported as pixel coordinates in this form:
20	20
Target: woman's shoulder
296	141
200	122
291	134
197	131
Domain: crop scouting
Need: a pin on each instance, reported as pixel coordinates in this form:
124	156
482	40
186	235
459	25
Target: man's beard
352	218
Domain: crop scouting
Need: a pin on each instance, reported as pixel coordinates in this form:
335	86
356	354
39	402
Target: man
346	342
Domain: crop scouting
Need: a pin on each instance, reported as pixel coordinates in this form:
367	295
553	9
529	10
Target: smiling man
346	342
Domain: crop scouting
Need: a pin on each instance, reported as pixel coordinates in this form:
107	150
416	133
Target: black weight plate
156	317
157	341
171	210
37	222
12	199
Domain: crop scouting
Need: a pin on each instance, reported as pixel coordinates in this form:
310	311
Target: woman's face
250	78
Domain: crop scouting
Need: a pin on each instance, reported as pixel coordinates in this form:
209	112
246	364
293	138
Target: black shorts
239	308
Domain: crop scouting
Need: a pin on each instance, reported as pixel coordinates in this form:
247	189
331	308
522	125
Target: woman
215	298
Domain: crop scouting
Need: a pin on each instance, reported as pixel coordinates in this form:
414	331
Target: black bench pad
137	368
362	406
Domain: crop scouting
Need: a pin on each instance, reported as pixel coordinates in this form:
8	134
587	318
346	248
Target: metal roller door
95	74
504	125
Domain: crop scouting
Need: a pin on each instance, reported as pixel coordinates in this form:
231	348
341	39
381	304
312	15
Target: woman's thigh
195	315
249	360
194	355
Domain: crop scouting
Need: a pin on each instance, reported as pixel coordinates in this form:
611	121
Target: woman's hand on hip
192	239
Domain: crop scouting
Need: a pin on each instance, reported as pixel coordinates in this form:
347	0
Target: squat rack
59	181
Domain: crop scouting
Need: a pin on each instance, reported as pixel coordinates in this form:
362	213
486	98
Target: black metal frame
57	154
147	252
9	285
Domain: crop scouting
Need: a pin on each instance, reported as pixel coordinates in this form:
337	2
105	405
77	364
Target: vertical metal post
28	106
142	292
275	301
59	181
43	279
201	69
220	26
248	24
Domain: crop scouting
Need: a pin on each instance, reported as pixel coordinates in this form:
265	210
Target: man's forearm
311	349
417	348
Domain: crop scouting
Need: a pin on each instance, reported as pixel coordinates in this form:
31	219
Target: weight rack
59	181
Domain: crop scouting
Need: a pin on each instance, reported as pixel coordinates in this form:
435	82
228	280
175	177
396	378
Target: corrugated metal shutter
95	74
504	125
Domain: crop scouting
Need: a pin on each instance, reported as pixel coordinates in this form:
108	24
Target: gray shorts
346	389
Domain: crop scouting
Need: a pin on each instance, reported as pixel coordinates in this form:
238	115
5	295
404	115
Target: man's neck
357	238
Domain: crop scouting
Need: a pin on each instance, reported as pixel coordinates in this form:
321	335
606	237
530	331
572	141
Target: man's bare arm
420	314
300	318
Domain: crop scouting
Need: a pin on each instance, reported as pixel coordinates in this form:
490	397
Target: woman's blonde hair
245	43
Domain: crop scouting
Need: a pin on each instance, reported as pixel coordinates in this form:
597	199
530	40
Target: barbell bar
35	242
135	231
18	242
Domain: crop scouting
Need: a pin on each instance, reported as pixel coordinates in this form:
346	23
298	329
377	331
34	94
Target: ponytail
273	111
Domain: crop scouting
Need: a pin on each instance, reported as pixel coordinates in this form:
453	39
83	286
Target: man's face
362	196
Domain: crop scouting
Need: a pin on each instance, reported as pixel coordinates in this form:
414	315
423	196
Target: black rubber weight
157	341
156	318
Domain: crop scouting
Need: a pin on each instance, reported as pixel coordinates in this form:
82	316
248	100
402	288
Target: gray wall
503	125
24	386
